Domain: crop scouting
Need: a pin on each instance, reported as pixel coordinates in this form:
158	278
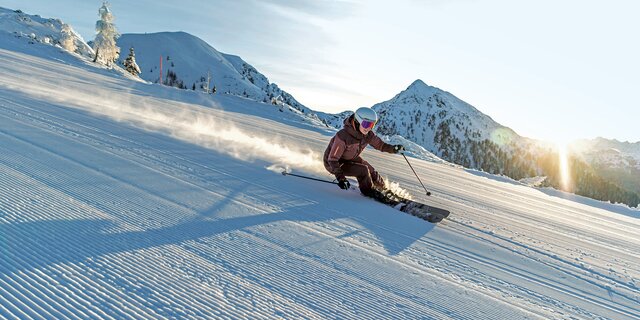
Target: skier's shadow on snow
43	243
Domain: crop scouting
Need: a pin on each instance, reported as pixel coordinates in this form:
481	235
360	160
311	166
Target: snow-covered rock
36	29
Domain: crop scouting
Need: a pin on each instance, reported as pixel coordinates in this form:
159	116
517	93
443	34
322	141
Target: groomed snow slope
120	199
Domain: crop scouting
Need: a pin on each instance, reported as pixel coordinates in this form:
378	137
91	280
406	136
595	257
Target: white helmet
366	117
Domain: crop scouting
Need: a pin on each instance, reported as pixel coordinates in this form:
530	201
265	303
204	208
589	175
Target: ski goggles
367	124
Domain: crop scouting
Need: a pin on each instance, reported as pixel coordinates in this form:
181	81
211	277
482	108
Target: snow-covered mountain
190	63
422	113
615	160
34	28
455	131
438	120
449	128
608	152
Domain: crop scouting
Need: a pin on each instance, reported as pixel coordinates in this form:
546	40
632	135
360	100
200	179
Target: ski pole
414	172
285	173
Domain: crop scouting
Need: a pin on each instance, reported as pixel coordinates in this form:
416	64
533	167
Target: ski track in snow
100	219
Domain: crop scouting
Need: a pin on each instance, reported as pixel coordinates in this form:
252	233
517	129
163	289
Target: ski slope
121	199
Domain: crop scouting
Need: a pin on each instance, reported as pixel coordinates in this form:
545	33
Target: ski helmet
366	117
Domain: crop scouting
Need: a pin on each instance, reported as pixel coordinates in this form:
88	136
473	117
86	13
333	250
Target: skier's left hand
398	148
344	184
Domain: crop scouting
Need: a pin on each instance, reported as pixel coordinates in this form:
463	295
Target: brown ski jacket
348	144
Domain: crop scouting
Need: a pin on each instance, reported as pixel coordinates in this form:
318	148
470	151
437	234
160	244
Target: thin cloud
322	9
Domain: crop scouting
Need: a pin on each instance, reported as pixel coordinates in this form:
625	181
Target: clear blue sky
553	70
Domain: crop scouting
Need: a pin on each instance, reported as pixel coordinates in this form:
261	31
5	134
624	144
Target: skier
342	156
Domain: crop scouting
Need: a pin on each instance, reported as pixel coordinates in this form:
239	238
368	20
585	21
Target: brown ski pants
367	176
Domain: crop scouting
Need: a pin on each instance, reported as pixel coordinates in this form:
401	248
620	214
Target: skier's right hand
344	184
398	148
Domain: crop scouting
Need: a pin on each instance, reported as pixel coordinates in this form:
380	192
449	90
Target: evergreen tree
67	41
105	43
130	63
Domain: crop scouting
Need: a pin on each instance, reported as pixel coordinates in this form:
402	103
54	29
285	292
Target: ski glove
344	184
398	148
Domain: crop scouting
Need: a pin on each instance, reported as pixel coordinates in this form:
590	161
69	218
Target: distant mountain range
432	122
612	153
614	160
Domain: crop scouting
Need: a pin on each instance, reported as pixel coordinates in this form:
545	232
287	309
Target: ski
423	211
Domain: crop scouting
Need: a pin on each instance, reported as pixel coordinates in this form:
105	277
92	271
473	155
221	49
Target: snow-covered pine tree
66	40
208	81
105	43
130	63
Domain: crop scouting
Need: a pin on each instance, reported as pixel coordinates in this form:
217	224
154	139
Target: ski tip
435	219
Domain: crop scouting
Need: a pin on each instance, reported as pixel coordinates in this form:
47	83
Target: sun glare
565	177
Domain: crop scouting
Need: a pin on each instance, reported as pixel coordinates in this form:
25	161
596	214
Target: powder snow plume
192	123
202	127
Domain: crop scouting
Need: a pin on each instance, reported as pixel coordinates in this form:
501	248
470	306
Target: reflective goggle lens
367	124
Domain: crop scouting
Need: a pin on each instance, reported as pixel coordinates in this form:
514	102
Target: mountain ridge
188	62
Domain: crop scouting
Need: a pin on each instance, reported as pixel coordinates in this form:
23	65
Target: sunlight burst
565	177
